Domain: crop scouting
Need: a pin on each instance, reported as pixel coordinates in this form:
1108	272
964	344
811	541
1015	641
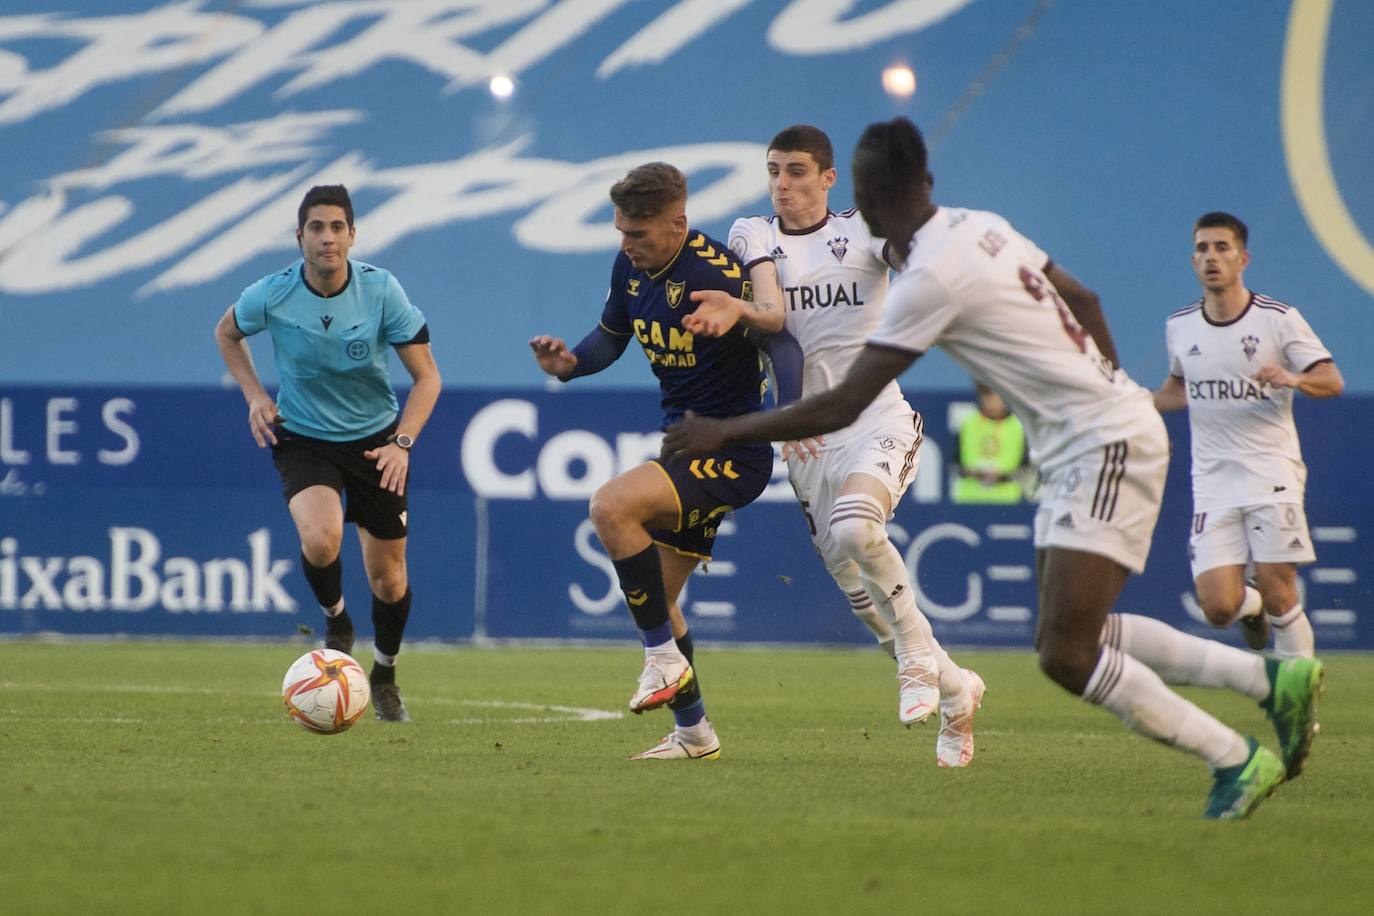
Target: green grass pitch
164	778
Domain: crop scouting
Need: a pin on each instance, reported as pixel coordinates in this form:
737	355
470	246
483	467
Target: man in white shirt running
1235	359
830	277
1025	327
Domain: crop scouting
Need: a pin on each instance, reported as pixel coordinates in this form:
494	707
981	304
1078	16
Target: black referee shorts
303	461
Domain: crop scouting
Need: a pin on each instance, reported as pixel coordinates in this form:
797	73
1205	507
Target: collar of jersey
810	229
1222	324
673	260
321	295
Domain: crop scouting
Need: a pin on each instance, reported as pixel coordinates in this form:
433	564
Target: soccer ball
326	691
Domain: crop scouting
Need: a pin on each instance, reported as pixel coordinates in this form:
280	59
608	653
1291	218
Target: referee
336	429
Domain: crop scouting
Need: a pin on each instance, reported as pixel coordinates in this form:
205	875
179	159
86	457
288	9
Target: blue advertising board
150	511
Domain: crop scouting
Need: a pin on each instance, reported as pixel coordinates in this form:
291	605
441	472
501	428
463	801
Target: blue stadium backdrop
154	154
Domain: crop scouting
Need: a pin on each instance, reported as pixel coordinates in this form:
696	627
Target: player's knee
606	510
389	586
856	538
1219	611
321	545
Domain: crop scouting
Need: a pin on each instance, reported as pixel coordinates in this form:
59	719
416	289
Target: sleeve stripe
613	331
757	261
1324	359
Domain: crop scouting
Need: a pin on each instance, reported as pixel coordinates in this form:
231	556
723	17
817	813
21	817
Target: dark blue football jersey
713	376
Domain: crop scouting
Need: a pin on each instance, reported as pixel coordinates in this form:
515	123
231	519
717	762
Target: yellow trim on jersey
676	497
616	333
673	260
685	553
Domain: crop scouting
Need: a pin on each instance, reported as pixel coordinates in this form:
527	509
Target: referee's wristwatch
402	440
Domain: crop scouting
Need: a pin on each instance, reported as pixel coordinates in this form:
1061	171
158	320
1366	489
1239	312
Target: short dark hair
803	138
329	195
1218	219
900	149
647	190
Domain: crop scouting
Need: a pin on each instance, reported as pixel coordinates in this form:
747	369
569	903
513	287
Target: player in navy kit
659	520
334	428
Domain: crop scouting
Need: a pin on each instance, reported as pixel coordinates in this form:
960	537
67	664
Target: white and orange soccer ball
326	691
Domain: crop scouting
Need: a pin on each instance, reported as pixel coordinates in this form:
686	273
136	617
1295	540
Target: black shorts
303	461
708	490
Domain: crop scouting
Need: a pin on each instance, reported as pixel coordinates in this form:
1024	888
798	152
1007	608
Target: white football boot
954	746
918	689
678	746
662	679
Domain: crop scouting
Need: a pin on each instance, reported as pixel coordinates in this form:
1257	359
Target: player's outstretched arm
809	417
1323	380
1171	395
553	356
1086	309
593	353
717	311
262	410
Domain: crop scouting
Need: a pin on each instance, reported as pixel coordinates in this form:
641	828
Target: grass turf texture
165	778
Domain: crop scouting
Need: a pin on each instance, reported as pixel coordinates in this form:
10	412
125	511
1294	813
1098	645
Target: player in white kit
829	277
1235	360
1022	325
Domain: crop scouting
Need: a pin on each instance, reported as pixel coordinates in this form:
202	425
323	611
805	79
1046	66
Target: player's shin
1293	636
389	624
641	579
1137	696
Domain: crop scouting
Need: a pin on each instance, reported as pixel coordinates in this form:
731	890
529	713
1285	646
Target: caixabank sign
150	511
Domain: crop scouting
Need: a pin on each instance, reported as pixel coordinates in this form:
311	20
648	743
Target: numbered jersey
977	288
834	283
1245	446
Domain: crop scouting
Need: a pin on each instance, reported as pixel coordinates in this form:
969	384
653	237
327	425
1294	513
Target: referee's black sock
641	579
389	623
326	582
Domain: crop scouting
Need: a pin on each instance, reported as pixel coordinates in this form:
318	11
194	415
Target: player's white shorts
1274	533
1107	501
889	451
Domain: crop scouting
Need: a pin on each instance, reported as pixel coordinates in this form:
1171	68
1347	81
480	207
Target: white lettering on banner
945	531
134	581
59	428
423	33
574	463
586	545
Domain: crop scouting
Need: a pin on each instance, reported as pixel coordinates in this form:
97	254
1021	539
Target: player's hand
262	413
394	464
553	355
693	436
716	313
1277	377
803	449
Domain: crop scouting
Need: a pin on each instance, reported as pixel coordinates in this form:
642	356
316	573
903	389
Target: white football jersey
1245	445
977	288
834	282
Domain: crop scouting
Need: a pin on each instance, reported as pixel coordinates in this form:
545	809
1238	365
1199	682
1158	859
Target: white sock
383	659
334	611
859	526
667	650
697	733
1137	697
1179	658
1252	604
846	576
1293	636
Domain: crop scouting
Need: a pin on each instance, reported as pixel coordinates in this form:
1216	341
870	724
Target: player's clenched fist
553	355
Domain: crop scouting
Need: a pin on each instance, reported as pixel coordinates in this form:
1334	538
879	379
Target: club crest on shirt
674	289
633	288
838	247
1250	343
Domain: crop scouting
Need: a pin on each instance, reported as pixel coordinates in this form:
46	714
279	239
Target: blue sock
690	715
658	635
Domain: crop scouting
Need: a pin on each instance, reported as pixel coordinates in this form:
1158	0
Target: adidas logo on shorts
1295	544
1064	521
